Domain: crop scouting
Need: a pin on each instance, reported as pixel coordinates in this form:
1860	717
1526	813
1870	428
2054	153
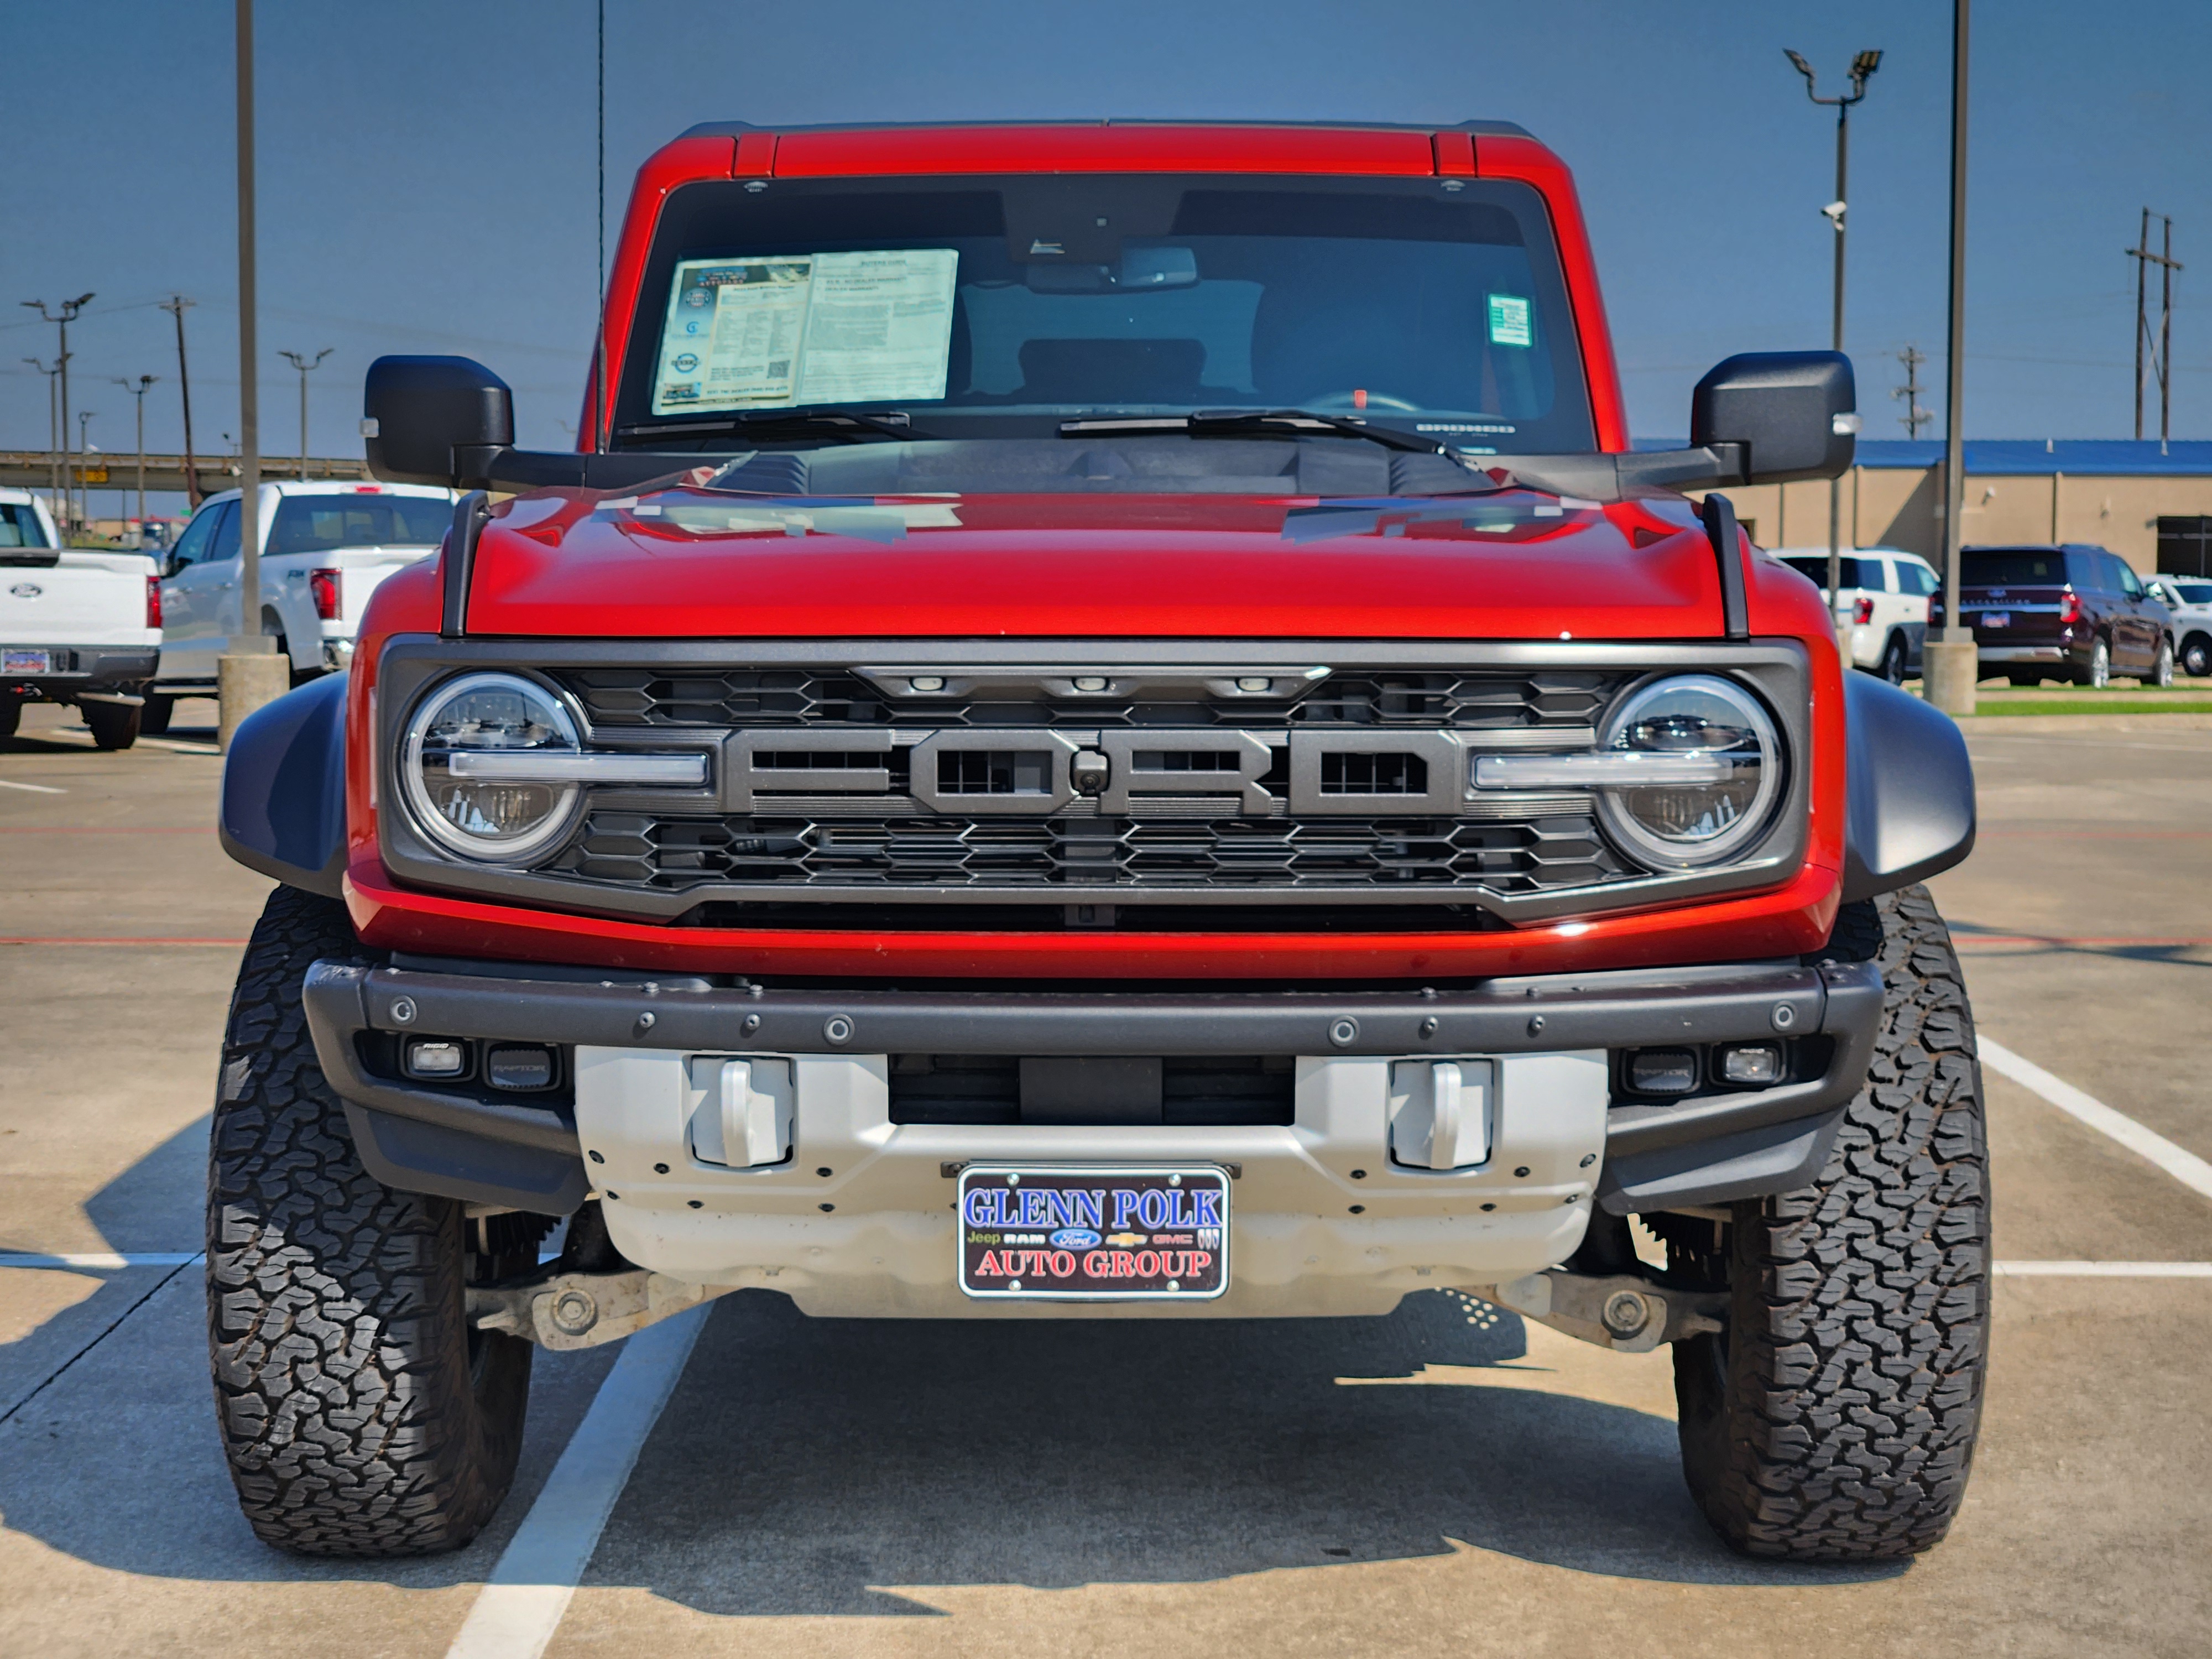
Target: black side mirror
435	421
1792	412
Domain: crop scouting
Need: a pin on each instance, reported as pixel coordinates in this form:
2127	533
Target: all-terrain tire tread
343	1387
1859	1323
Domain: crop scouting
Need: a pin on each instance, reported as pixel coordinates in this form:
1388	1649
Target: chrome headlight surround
441	806
1718	764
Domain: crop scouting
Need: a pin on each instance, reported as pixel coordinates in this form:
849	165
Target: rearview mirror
1791	413
435	421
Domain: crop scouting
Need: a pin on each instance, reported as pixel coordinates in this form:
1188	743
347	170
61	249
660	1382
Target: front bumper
860	1220
87	668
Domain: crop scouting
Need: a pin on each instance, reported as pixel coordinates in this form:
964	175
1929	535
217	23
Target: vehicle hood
1514	564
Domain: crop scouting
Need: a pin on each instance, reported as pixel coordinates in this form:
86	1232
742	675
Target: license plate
26	662
1101	1234
1996	619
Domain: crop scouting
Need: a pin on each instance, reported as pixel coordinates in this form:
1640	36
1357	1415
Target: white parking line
34	788
109	1259
2101	1269
521	1603
2185	1166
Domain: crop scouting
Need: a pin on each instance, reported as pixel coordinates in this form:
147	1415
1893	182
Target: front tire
1835	1418
2197	656
360	1414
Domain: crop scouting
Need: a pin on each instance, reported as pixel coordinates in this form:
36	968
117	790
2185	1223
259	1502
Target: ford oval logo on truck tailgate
1074	1238
27	590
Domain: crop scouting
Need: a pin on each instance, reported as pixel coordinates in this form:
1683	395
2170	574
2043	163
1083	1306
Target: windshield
323	524
1001	308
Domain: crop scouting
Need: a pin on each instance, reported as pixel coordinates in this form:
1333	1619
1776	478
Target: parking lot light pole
1953	662
69	310
249	673
138	388
303	366
1863	66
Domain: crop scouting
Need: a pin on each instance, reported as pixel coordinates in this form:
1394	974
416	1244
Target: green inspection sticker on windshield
806	328
1512	323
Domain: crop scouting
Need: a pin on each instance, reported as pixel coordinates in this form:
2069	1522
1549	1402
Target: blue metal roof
2029	456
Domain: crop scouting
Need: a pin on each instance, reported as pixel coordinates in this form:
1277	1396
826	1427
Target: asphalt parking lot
1446	1480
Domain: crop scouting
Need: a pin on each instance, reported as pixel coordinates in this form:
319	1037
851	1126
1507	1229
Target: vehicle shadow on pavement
803	1463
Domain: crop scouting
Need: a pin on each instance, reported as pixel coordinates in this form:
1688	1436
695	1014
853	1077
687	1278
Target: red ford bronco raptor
1105	725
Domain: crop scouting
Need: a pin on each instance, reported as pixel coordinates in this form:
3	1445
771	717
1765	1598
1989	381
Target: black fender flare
284	788
1909	810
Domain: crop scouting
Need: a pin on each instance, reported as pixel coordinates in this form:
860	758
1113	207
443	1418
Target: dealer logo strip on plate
1094	1234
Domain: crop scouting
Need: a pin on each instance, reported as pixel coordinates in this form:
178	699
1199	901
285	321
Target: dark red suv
2070	612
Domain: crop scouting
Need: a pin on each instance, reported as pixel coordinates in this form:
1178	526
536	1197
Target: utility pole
54	442
2161	355
249	674
69	309
1954	661
1914	417
1863	66
176	305
138	390
303	366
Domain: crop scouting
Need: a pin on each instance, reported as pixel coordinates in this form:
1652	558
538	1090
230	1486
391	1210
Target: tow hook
582	1311
1620	1311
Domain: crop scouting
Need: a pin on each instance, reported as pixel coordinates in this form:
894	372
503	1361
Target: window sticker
1511	322
820	328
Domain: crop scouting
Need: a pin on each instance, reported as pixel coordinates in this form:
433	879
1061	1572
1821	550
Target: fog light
1750	1062
520	1068
927	683
1254	683
1091	682
1663	1071
435	1057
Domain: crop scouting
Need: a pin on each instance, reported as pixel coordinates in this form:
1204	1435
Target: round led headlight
1716	773
497	819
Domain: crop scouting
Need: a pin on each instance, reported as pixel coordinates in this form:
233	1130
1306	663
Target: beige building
2113	493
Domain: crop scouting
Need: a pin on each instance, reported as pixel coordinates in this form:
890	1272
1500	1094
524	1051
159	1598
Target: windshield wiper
846	423
1225	422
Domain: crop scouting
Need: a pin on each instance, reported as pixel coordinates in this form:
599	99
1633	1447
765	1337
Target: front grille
634	697
641	850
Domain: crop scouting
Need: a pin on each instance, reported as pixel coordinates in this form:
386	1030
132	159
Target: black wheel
11	714
154	718
2161	672
112	724
1894	658
2197	656
1835	1417
360	1414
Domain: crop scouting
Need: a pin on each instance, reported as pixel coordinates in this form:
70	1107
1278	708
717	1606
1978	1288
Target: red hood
1516	565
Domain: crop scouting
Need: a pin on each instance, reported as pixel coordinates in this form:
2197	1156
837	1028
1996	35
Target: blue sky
427	171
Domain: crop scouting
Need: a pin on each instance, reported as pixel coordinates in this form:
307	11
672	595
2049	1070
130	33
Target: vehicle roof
1849	552
732	129
16	497
332	487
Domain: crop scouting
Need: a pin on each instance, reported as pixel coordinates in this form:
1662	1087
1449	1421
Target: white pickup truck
324	549
77	625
